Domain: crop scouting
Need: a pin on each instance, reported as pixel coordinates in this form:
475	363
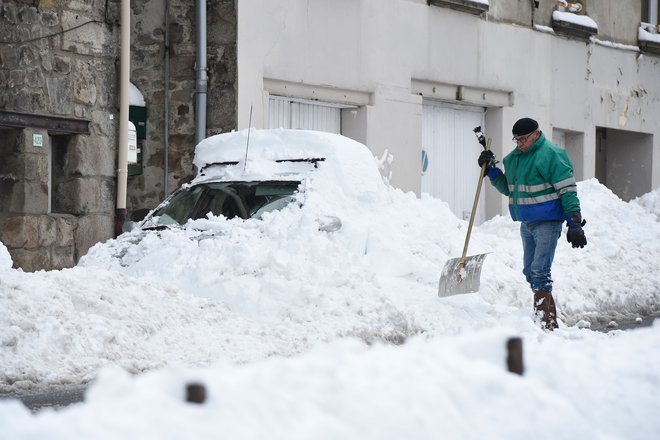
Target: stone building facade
59	116
148	69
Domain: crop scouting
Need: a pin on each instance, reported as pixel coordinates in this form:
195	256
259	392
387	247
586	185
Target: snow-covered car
245	176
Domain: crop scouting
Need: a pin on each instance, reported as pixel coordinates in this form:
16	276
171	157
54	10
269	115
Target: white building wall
370	53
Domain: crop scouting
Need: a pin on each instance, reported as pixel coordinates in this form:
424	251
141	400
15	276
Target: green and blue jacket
540	183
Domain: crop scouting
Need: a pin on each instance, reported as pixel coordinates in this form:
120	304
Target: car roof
256	144
261	154
283	154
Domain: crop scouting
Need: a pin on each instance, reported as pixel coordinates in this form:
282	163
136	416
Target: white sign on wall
37	140
132	143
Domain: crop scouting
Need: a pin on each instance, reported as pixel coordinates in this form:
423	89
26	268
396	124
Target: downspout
535	5
166	103
201	77
122	149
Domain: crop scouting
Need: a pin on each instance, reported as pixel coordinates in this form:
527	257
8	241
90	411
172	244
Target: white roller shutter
305	115
451	151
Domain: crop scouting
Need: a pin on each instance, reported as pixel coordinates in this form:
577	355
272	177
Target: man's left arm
563	181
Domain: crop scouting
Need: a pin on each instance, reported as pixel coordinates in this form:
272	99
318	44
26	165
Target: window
651	12
475	7
230	199
57	198
649	31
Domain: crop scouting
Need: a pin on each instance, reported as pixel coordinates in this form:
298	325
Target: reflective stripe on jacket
539	183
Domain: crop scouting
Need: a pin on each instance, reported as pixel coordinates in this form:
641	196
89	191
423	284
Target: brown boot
544	305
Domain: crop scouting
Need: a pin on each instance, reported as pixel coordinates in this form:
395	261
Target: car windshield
230	199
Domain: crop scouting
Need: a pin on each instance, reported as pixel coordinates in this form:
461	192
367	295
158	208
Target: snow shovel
462	275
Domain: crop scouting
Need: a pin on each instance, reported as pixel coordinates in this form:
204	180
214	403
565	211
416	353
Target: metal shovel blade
459	278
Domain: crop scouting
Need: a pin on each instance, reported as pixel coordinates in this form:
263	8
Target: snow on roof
270	145
135	97
569	17
344	162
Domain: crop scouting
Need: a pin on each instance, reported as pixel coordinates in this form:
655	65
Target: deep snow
295	331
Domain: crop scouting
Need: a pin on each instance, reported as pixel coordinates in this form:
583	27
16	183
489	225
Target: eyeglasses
523	138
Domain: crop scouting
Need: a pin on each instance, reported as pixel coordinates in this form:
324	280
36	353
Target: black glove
487	157
575	234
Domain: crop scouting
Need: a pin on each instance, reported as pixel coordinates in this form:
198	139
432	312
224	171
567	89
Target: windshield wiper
155	227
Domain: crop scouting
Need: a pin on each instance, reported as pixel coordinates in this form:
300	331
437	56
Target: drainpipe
122	149
201	77
166	103
535	5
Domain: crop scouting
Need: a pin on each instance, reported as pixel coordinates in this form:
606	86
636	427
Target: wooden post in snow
514	358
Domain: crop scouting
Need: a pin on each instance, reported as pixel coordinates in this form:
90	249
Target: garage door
449	156
286	112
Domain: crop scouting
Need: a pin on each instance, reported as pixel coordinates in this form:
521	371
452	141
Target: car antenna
247	144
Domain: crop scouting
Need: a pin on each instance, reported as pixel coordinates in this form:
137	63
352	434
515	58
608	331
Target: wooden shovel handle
461	264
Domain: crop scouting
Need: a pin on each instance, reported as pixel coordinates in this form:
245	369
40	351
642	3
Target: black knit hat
524	126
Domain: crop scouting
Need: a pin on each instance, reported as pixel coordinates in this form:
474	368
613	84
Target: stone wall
58	58
80	211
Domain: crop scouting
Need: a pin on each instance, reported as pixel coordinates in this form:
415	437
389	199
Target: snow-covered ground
299	333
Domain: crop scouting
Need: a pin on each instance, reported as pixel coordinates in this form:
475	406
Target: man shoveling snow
542	194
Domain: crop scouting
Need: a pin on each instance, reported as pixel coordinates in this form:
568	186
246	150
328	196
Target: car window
229	199
180	206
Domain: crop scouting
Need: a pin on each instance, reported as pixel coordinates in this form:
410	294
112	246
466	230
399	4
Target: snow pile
649	202
615	274
388	254
231	294
279	285
591	386
5	258
60	327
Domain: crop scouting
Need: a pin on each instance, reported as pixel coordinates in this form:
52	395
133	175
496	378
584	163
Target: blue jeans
539	244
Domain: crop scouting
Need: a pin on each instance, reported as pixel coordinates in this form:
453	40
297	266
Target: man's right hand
487	157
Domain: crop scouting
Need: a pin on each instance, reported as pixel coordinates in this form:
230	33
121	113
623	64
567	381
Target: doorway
449	156
624	161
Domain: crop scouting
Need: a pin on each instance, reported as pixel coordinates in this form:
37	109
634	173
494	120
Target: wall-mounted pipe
201	76
166	102
122	148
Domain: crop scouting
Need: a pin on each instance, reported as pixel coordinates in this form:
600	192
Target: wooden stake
514	359
195	393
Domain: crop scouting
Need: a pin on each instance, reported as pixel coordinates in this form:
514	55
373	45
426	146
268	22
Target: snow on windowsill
546	29
549	30
615	45
569	17
644	35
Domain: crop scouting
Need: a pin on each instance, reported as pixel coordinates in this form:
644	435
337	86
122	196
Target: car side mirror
329	223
